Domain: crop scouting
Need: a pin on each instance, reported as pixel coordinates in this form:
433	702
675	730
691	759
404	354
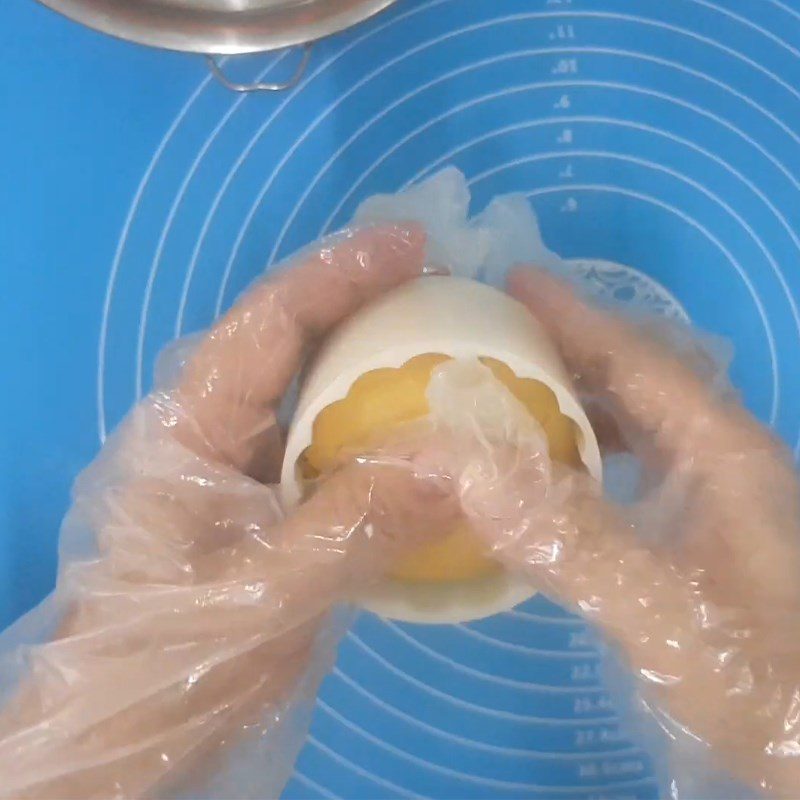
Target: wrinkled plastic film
693	582
696	583
192	621
692	571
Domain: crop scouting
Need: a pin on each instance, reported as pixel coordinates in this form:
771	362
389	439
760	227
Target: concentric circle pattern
662	136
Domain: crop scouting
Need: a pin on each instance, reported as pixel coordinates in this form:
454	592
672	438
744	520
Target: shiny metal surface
260	86
218	26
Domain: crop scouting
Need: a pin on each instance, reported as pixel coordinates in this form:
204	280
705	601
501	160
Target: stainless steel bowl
219	26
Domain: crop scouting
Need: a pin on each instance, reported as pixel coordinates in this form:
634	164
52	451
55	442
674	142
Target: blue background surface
137	198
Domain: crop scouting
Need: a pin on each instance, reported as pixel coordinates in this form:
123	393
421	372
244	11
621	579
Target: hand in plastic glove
193	625
700	584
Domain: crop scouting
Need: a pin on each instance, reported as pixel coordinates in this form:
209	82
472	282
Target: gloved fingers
552	523
562	534
671	405
245	562
583	552
182	664
370	511
245	364
734	483
689	627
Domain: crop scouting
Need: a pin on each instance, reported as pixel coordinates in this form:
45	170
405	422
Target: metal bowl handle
216	71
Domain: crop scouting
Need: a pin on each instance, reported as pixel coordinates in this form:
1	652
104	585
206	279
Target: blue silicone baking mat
138	197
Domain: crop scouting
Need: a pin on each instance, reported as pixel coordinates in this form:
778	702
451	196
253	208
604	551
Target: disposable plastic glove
698	584
199	628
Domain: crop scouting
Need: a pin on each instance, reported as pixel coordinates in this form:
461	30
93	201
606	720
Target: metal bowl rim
220	32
